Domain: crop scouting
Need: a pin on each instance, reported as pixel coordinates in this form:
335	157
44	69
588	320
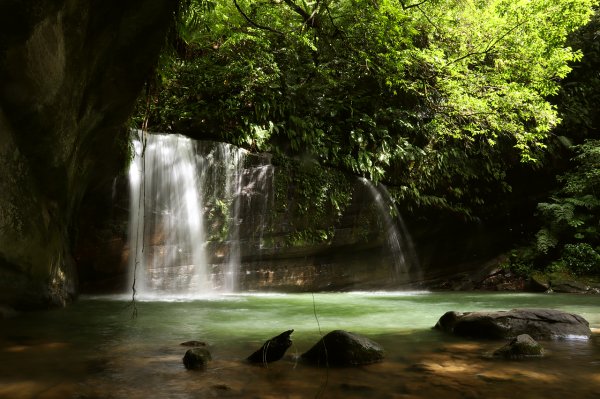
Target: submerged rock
343	348
523	346
193	343
196	358
273	349
538	323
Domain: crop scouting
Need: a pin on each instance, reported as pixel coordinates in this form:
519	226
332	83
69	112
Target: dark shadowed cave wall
70	71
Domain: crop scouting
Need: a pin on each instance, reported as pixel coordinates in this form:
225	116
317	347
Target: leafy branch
489	47
409	6
251	22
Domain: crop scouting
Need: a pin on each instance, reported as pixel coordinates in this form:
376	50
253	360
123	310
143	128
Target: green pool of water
95	349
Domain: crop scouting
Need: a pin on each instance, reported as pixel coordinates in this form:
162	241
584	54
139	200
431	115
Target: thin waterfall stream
398	240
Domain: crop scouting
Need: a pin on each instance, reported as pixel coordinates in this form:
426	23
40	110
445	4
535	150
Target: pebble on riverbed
521	347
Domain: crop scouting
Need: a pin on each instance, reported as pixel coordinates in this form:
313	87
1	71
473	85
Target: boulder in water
273	349
343	348
538	323
523	346
196	358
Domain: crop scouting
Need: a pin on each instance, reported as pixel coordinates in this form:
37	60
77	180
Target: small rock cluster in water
343	348
517	324
538	323
337	348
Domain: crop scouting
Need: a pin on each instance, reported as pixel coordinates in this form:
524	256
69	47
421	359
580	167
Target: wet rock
448	321
193	343
538	323
343	348
273	349
196	358
538	283
521	347
569	286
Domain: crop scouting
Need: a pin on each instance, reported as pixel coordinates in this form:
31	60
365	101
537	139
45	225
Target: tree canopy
438	98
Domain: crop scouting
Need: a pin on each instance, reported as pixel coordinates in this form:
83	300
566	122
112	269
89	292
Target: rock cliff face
70	72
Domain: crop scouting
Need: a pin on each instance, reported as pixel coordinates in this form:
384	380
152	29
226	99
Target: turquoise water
95	349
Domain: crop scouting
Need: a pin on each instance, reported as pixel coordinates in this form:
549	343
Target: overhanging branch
251	22
309	19
489	47
406	7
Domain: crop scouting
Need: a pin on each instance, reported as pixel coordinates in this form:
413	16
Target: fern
557	212
576	223
545	240
587	201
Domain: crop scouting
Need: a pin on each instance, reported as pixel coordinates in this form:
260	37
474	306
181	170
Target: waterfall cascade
198	209
183	193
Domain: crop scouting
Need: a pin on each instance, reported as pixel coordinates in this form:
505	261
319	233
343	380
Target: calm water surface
95	349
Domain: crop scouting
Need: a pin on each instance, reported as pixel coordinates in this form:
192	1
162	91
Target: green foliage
571	218
581	259
521	261
579	94
573	215
438	99
310	199
545	240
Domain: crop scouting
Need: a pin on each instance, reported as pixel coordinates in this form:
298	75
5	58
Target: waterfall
398	240
198	209
185	196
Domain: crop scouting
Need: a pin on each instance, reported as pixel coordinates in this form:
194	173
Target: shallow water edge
95	349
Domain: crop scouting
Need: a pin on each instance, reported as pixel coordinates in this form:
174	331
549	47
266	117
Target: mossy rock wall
70	72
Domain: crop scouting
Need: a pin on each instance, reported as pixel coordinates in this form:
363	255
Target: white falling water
167	218
399	242
261	179
233	189
175	184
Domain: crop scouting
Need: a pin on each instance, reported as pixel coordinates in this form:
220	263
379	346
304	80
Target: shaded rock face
521	347
196	358
273	349
538	323
70	72
343	348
